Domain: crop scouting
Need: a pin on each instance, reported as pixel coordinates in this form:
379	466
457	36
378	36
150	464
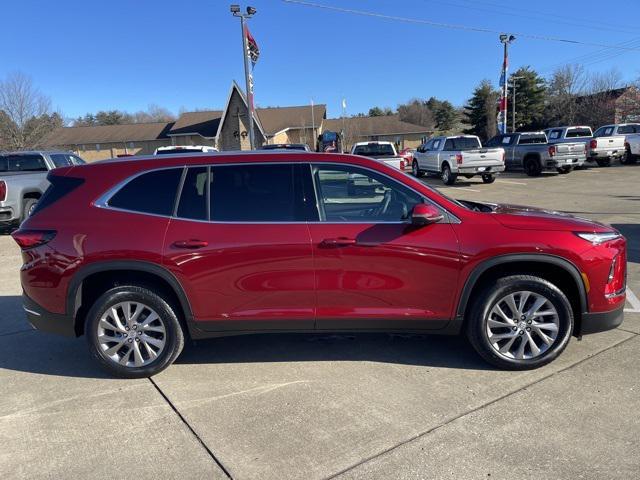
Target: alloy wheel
131	334
522	325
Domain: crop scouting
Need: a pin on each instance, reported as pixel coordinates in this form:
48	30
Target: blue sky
127	54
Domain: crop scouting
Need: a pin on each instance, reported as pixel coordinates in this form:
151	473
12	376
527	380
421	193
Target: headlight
598	238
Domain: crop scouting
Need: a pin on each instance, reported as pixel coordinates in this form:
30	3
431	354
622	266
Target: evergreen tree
530	100
481	111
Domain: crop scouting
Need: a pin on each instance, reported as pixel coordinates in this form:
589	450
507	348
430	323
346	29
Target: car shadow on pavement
26	350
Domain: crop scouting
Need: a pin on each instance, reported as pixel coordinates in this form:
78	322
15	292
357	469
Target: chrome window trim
103	200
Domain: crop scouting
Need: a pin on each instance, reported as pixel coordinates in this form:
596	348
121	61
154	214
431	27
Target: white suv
184	149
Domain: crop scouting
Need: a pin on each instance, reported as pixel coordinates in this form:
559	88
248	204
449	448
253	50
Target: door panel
374	270
242	249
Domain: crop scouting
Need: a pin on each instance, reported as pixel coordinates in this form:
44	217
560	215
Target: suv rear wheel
520	322
133	333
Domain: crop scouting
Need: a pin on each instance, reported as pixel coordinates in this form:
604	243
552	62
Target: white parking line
633	300
459	189
511	182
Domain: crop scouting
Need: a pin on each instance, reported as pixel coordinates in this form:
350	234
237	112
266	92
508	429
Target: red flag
252	47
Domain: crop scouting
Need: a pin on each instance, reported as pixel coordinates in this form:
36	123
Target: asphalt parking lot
337	406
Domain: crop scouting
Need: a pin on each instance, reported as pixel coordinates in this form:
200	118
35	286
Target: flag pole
313	126
248	82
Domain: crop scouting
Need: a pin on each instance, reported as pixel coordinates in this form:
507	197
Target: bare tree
563	89
27	117
597	106
417	112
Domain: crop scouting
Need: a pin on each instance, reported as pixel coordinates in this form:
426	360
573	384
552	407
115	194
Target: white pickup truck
461	155
600	149
630	131
383	151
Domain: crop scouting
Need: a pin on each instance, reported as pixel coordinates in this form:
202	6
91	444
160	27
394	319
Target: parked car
629	130
407	154
286	146
632	147
600	149
384	151
174	149
460	155
531	152
270	242
23	180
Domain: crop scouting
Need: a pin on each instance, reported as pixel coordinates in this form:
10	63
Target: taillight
552	150
3	191
32	238
459	158
593	144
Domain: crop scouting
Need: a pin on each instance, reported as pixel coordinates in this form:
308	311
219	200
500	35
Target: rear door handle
190	244
341	241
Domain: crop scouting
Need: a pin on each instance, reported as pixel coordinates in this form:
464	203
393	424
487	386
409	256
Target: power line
454	26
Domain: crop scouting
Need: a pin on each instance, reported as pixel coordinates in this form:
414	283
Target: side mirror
423	214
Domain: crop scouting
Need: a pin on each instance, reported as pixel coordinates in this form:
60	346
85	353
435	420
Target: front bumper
43	320
480	169
601	321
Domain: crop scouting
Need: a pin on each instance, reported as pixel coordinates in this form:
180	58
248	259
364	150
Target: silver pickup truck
600	149
531	152
630	131
461	155
23	180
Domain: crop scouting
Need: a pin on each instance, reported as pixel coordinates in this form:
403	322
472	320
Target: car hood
531	218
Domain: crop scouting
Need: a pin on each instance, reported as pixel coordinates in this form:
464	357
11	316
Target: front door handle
190	244
341	241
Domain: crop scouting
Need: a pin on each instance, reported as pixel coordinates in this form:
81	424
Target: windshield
578	132
179	150
374	150
531	139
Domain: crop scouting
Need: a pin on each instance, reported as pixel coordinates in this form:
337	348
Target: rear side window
625	129
255	193
22	163
152	192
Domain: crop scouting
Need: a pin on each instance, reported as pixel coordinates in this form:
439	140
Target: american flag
252	47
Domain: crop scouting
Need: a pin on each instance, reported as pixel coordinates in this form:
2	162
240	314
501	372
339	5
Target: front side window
555	134
60	160
256	193
352	194
152	192
436	144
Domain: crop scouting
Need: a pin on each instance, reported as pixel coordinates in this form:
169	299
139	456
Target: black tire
532	167
28	204
448	178
479	311
604	162
415	170
174	336
564	170
488	178
628	158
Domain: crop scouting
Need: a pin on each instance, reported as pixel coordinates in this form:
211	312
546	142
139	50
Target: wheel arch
560	271
104	273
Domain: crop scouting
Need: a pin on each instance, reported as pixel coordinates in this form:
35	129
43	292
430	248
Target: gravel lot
336	406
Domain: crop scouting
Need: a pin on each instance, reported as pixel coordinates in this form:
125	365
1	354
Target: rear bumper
43	320
480	169
601	321
594	154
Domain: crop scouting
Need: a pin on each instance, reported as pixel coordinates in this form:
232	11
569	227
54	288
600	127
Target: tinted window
351	194
193	199
22	163
494	142
255	193
531	139
60	160
461	143
436	144
578	132
153	192
555	134
624	129
374	150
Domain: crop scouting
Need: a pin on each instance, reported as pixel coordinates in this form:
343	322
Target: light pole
248	78
514	81
505	39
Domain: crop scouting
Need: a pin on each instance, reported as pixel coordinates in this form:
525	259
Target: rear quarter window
152	192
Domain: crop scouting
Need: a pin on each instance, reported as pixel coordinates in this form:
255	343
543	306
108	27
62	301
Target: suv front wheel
520	322
133	333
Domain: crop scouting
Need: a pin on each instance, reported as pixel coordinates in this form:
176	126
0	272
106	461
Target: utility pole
505	39
248	78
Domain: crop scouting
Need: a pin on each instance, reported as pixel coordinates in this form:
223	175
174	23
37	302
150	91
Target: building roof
204	123
277	119
371	126
132	132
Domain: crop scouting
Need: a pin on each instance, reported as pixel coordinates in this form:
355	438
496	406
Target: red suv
137	254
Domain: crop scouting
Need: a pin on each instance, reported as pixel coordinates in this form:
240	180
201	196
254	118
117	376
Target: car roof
36	152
